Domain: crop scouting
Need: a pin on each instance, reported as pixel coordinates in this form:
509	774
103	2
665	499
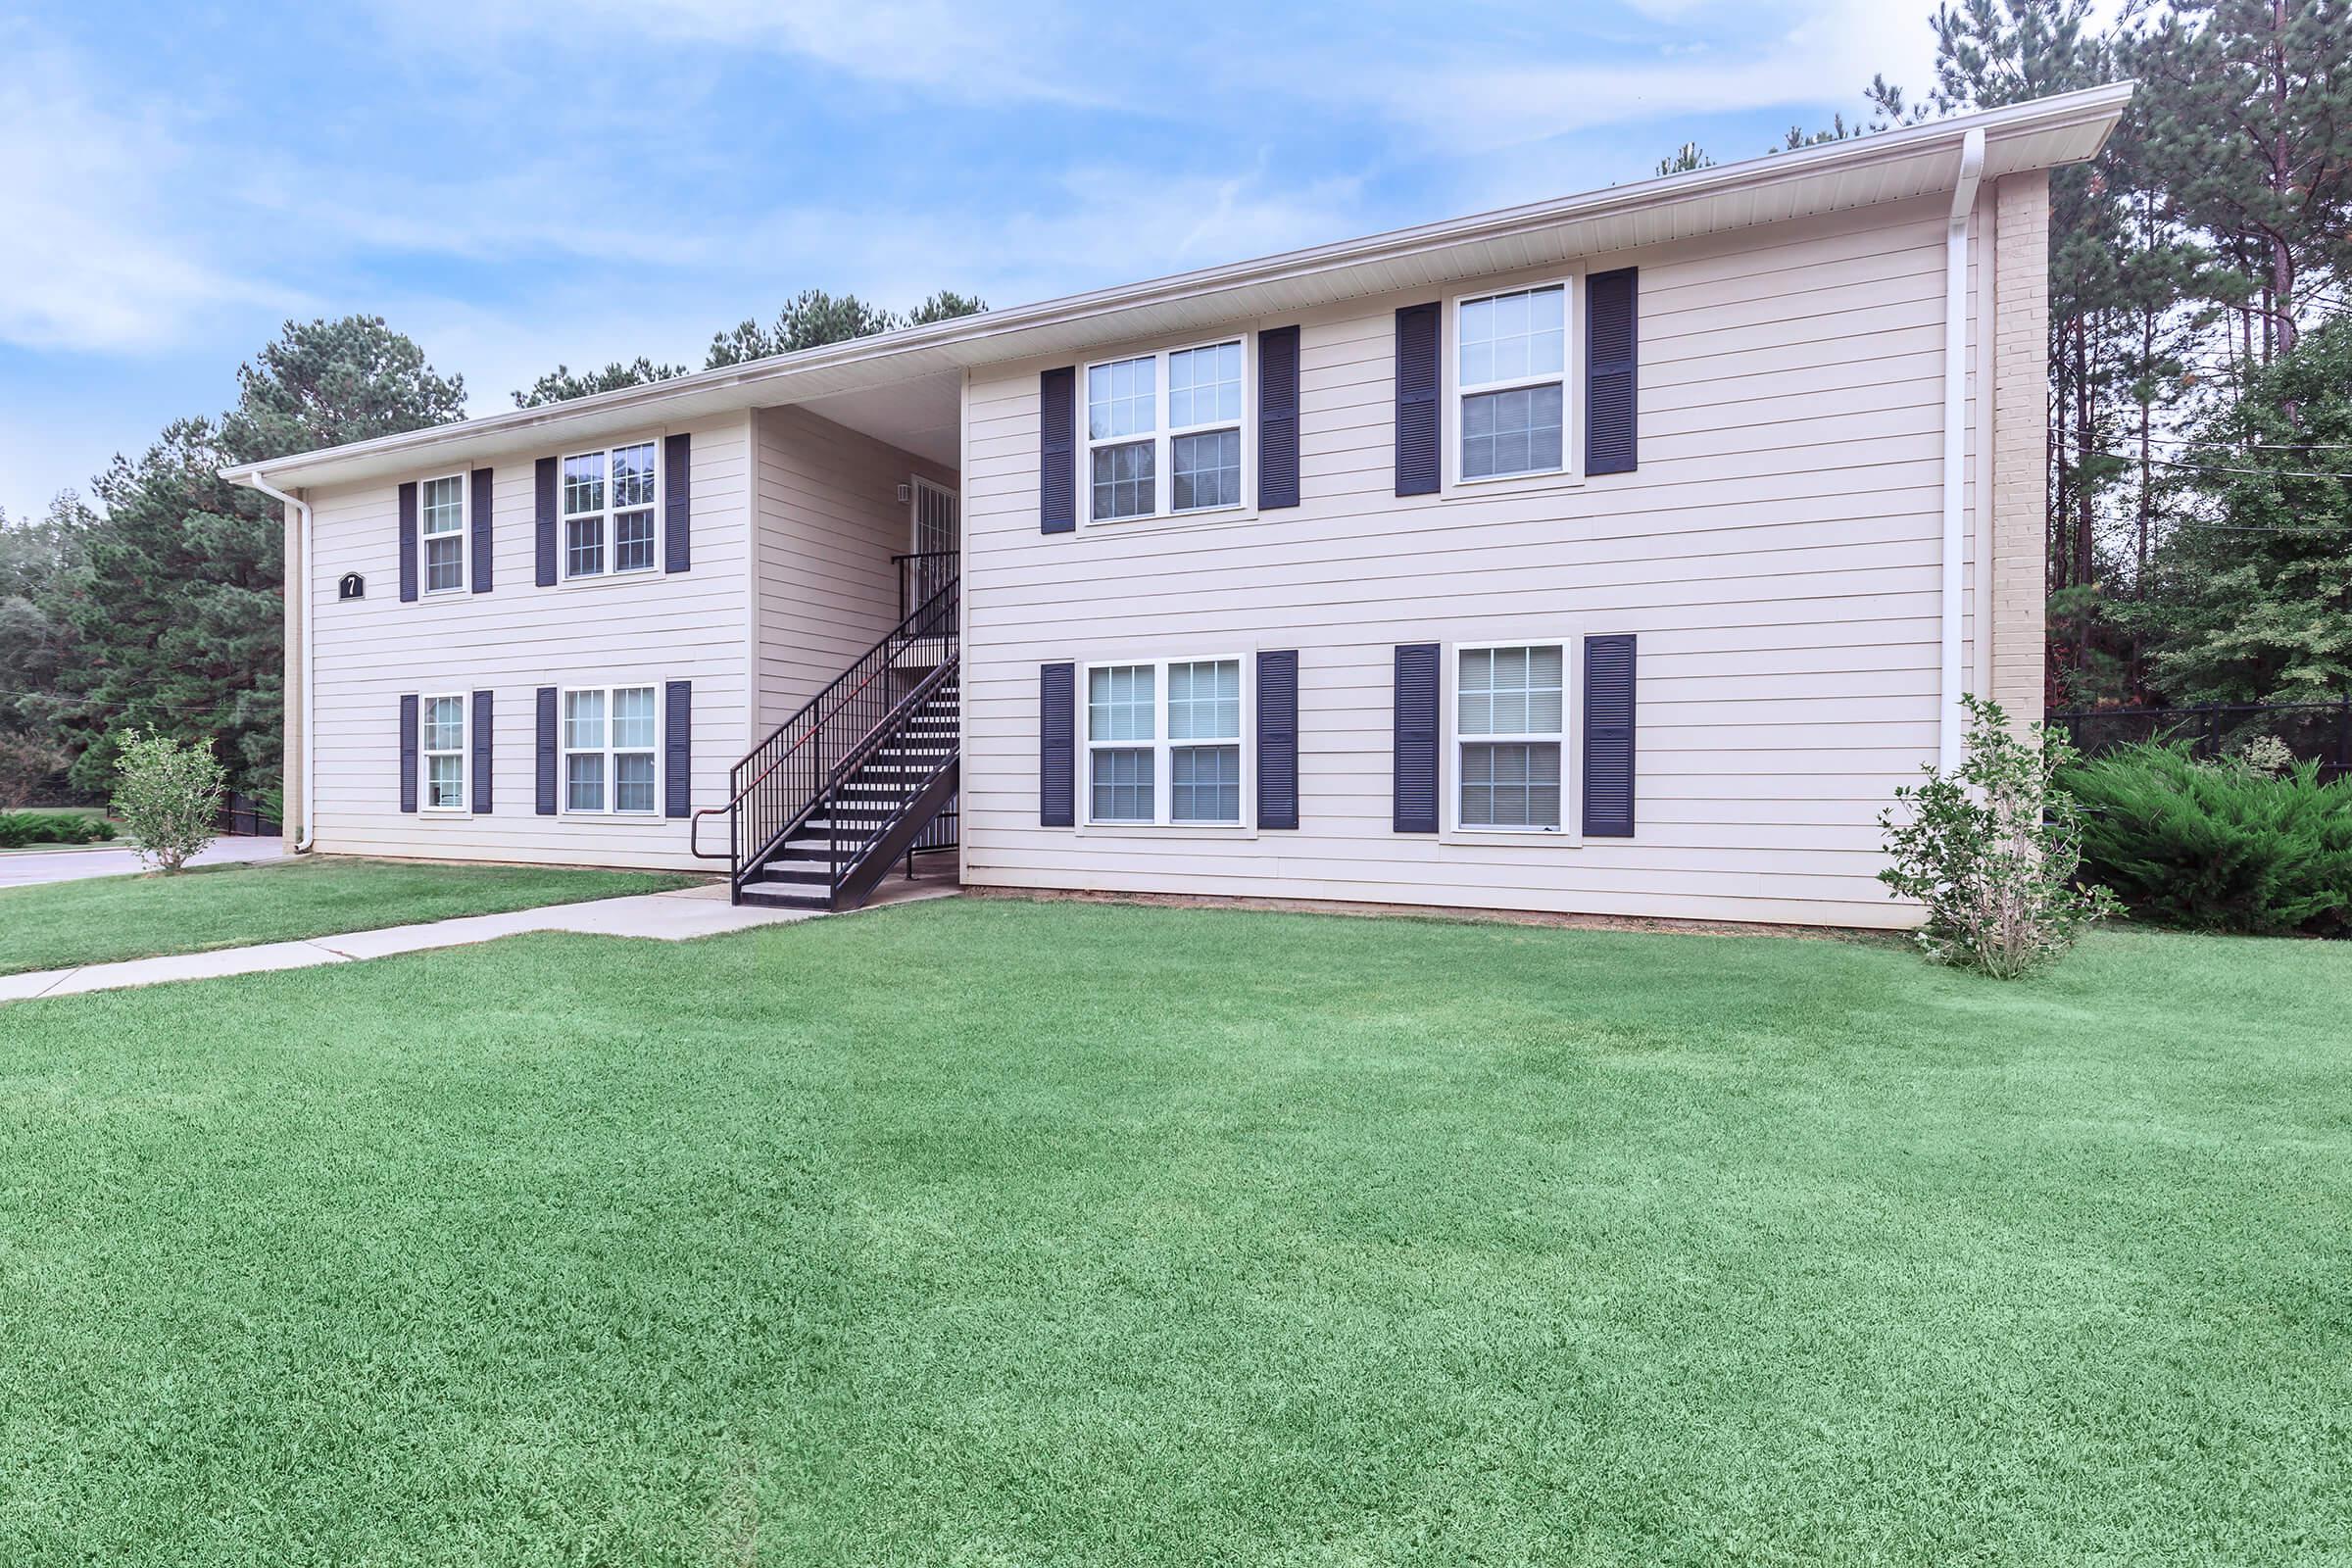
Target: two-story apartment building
1619	554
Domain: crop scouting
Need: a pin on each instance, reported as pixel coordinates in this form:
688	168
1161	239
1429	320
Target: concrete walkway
677	916
24	867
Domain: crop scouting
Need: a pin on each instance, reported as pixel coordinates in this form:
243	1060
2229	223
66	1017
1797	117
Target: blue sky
517	184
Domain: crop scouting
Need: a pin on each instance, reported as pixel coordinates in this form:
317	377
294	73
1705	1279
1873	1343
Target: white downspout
1955	448
309	706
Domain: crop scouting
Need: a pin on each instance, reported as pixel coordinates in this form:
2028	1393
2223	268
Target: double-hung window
1152	455
1163	742
1510	713
609	748
441	748
609	511
1511	384
441	518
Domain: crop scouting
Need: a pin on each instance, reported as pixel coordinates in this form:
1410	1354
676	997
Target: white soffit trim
1833	176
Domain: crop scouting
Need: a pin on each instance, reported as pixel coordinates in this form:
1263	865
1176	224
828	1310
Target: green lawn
100	919
993	1233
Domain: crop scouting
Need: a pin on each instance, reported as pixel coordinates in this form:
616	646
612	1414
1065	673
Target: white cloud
94	258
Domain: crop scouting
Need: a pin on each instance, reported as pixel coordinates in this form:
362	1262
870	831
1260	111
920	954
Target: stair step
784	896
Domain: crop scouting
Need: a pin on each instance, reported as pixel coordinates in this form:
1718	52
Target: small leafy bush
167	796
21	828
2218	846
1992	852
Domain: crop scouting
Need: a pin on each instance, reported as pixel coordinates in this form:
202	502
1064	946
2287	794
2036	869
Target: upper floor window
1149	455
441	517
609	511
1510	718
441	746
1164	742
1511	382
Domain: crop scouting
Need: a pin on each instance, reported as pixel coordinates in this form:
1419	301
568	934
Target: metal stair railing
781	780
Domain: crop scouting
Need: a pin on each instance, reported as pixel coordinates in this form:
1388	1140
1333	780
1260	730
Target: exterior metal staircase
865	774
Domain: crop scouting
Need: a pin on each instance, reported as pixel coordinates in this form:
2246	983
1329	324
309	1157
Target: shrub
1992	852
2217	846
167	796
20	828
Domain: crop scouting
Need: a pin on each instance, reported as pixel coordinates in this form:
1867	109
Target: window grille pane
633	781
1512	432
444	725
1123	480
584	782
633	475
1509	691
584	546
444	563
1205	385
1121	399
633	541
444	506
1122	785
1205	784
445	782
1118	702
583	720
633	717
584	483
1511	337
1512	784
1205	470
1205	701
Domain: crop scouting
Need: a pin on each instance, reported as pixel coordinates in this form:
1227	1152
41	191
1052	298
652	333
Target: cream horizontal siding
512	641
1777	553
830	521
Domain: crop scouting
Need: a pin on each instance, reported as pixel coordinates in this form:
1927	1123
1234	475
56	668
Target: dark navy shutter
480	522
547	751
543	509
407	543
1057	451
1610	377
407	753
1416	721
1056	745
1417	423
1278	417
1278	739
677	748
677	503
483	796
1609	737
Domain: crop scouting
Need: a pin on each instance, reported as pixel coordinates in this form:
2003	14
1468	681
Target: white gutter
1955	446
309	745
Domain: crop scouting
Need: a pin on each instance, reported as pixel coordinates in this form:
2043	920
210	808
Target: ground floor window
441	746
609	750
1510	713
1163	742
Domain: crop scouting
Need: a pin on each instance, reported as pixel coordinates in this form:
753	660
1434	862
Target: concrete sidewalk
677	916
31	867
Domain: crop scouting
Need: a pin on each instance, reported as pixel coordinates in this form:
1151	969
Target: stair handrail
935	621
844	857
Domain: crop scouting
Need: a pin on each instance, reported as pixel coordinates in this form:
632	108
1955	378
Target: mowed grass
101	919
991	1232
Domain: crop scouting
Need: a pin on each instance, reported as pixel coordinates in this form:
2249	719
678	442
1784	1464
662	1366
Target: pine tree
560	385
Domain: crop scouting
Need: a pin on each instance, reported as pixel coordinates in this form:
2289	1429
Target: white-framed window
1165	742
609	502
441	523
1166	432
441	751
1510	737
1509	374
611	740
